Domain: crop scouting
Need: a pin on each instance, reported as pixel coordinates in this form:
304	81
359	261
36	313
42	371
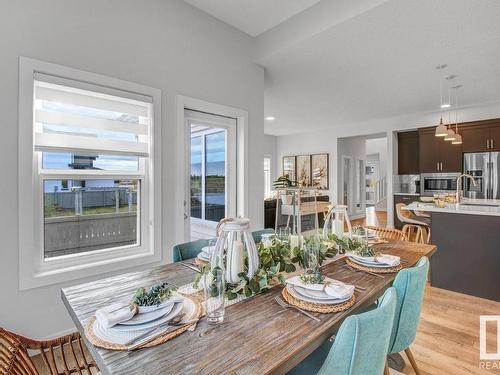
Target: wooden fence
75	234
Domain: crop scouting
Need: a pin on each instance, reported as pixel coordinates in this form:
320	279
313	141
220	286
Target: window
208	174
267	177
92	170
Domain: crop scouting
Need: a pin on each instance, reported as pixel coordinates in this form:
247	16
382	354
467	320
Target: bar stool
411	225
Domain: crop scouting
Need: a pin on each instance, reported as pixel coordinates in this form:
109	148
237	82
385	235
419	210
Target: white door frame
182	181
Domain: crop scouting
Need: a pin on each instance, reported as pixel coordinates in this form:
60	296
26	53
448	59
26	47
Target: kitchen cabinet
475	139
495	138
406	199
429	152
436	155
451	157
481	136
408	153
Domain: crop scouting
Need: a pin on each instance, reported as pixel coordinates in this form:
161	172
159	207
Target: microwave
438	183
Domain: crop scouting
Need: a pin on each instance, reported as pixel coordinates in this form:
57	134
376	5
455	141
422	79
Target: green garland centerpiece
278	259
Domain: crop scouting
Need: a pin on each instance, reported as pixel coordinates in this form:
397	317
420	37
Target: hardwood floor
375	218
448	334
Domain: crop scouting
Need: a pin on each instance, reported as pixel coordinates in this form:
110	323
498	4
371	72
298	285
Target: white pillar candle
338	227
237	260
294	241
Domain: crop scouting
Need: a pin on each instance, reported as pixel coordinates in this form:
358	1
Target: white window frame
35	271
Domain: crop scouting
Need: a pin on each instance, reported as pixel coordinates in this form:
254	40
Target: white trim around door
182	185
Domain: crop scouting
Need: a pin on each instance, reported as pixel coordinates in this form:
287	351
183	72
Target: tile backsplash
406	183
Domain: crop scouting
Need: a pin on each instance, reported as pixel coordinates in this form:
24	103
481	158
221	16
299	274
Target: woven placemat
373	269
317	307
96	341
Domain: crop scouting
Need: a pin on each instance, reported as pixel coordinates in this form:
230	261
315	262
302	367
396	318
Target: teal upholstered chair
360	347
410	285
258	234
188	250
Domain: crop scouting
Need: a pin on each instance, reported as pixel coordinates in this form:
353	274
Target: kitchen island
467	236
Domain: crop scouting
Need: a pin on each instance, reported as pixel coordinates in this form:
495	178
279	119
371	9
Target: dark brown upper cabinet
475	139
481	136
495	138
437	155
408	153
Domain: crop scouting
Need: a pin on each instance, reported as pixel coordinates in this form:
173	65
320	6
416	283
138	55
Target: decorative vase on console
233	243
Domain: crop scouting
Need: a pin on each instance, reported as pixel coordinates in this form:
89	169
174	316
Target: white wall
165	44
326	140
269	146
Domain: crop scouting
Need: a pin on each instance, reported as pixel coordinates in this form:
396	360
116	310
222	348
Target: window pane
92	214
215	176
196	165
63	160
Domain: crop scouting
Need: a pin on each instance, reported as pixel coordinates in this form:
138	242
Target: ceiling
333	63
381	62
252	16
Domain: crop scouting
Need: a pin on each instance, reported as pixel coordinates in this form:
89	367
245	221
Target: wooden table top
257	336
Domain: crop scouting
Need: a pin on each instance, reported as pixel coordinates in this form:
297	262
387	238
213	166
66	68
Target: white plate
315	294
203	256
119	337
165	318
376	265
294	293
207	249
147	317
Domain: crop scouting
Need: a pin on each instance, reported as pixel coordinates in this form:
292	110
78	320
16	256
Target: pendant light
458	137
450	134
441	130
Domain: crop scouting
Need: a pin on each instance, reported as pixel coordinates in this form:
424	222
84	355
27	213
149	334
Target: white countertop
489	207
413	194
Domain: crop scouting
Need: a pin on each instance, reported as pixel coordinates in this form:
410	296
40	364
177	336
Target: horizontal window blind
68	118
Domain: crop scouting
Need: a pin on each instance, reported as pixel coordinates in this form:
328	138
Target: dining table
257	336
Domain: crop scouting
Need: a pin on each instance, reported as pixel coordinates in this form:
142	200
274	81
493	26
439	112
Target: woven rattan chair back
63	355
388	233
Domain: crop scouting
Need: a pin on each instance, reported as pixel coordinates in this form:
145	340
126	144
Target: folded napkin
334	288
207	249
390	260
110	316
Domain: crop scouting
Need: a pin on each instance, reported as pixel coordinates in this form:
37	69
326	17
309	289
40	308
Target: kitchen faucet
458	196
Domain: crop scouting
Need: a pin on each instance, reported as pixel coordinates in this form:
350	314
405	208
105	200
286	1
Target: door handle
437	166
441	166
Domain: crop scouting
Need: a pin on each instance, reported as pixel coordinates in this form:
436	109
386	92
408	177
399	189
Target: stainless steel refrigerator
485	168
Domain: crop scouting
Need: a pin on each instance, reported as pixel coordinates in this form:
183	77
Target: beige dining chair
414	229
388	234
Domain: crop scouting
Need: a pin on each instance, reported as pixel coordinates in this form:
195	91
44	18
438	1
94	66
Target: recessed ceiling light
270	118
445	105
